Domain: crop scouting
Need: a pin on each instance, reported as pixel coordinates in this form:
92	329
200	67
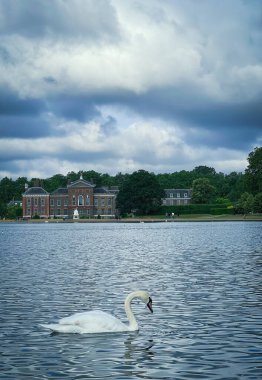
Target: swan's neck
133	325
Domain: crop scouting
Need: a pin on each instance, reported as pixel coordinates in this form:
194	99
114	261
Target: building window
96	202
42	201
80	200
171	195
28	211
65	202
87	200
36	201
102	202
74	200
178	195
52	202
185	195
28	202
109	201
59	202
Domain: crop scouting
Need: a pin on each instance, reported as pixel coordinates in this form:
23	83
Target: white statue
76	214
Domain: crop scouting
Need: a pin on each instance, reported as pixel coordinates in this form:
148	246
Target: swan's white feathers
97	321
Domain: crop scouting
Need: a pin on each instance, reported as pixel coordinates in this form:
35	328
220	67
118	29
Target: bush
215	209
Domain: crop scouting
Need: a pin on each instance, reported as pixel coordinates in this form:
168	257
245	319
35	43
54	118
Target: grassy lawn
203	217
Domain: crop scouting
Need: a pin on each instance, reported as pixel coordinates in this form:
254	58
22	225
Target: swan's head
145	297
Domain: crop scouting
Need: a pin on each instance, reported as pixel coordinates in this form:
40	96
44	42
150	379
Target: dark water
204	278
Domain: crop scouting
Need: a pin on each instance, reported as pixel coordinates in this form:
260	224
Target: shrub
215	209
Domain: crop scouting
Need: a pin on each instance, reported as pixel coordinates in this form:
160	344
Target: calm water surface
204	278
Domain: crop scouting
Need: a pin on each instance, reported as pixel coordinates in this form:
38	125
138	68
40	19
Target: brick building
80	195
35	201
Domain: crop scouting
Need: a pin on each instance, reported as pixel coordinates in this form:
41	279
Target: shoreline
180	219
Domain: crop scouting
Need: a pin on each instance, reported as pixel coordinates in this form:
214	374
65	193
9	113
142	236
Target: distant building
15	203
82	195
35	202
177	197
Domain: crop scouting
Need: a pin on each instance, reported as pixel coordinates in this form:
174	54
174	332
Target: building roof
113	190
60	191
101	190
14	203
175	192
81	183
35	191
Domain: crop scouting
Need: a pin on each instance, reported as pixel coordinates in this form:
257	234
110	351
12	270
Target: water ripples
205	280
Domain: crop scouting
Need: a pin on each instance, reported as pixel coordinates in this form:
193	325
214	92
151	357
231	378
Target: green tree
92	176
204	171
14	212
235	185
19	185
246	202
253	172
7	190
258	203
202	191
54	182
140	192
3	209
176	180
222	201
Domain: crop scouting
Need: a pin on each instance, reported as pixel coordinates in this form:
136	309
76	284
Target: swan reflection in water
97	321
134	349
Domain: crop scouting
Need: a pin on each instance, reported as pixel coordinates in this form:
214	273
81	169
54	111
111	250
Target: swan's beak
149	305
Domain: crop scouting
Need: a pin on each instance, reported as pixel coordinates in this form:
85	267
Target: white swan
97	321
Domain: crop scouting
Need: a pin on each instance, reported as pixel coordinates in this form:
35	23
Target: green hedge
214	209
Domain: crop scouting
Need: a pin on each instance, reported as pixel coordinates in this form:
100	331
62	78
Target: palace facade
79	196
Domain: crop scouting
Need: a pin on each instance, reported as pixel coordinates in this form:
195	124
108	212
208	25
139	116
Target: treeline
230	186
234	187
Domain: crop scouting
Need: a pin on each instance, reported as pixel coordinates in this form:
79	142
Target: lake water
204	278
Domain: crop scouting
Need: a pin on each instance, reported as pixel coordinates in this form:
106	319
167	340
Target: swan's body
98	321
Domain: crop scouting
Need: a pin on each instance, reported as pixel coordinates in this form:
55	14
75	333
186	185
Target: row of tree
143	191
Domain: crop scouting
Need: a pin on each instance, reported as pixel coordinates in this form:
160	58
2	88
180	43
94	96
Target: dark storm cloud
231	125
23	127
85	156
53	18
22	118
73	107
225	124
12	104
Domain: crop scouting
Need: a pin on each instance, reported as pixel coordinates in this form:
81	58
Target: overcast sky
121	85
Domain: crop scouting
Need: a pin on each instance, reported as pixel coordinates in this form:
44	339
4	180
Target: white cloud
153	146
187	62
149	54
